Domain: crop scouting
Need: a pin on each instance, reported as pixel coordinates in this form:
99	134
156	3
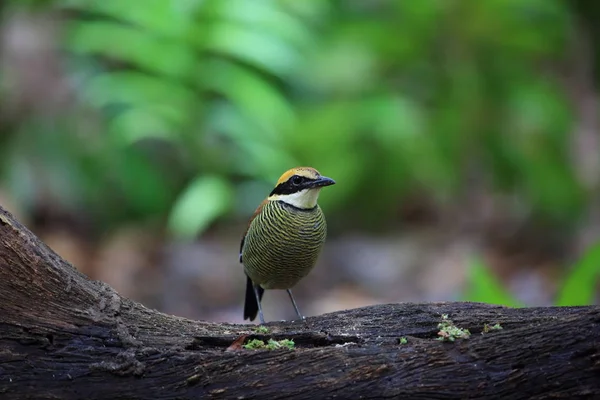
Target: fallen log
63	336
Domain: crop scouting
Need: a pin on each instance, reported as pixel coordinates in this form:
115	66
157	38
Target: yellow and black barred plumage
283	244
284	237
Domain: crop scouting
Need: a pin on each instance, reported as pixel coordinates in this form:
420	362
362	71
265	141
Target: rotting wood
63	336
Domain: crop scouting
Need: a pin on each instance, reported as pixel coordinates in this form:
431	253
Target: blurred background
137	137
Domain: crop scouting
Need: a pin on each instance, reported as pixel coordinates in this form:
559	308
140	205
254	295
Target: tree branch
63	336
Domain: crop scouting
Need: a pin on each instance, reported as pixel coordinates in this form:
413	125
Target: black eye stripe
294	184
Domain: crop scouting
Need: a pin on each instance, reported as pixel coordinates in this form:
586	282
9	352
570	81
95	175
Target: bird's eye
296	180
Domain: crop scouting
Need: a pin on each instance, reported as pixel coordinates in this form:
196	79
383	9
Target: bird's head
300	187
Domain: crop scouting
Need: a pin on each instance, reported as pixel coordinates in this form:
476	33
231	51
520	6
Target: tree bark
63	336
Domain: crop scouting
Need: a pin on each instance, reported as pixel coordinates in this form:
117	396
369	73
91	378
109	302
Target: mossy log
63	336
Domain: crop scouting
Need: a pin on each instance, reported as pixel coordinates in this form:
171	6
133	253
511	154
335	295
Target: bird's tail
250	305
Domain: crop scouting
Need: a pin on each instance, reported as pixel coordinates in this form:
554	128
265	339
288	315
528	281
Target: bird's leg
294	303
260	313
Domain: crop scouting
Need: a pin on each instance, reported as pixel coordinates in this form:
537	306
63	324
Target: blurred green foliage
484	287
189	110
578	287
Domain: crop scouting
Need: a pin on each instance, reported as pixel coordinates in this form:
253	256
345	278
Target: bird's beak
323	181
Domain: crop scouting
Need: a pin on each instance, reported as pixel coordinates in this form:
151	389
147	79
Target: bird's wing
256	212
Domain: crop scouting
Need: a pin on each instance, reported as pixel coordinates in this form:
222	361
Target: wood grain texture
63	336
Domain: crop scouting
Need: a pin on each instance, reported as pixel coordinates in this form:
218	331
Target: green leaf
579	287
484	287
254	96
265	160
206	199
168	18
264	51
174	58
130	87
137	123
268	17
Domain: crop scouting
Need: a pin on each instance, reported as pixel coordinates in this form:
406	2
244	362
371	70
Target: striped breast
282	244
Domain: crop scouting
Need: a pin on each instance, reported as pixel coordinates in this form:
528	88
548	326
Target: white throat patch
306	198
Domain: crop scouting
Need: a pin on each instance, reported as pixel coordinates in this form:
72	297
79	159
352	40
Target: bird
284	238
